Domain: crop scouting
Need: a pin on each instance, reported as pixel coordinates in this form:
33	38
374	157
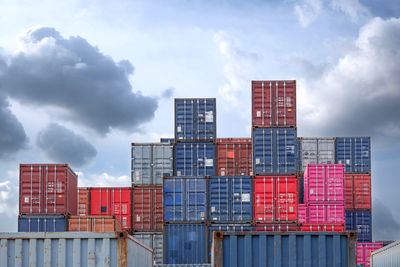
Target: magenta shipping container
364	252
324	182
326	213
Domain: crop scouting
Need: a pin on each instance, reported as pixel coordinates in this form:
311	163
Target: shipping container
275	198
360	221
184	265
150	162
273	103
234	156
230	199
316	151
364	252
185	243
324	182
193	159
99	224
147	206
42	223
388	256
83	201
277	227
112	201
72	249
310	227
321	213
47	189
284	249
274	151
302	213
355	153
167	140
153	240
185	198
357	191
195	119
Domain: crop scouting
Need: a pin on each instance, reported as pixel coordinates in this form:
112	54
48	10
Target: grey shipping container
284	249
150	162
73	249
316	151
388	256
154	241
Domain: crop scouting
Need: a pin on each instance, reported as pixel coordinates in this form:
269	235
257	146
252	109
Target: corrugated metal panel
94	224
83	201
167	140
355	153
42	223
361	222
388	256
153	240
234	156
230	199
182	265
194	159
316	151
195	119
185	243
339	227
357	191
322	213
284	249
185	198
150	162
274	151
147	208
72	249
364	252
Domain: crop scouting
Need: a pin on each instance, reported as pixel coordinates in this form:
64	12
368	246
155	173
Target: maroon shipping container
47	189
274	103
147	208
277	227
234	156
357	189
83	201
112	201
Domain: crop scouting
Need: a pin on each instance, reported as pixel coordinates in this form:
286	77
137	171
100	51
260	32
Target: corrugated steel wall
360	221
388	256
154	241
316	151
355	153
42	223
193	159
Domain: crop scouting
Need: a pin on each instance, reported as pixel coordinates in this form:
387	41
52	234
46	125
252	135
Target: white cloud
352	8
308	11
102	179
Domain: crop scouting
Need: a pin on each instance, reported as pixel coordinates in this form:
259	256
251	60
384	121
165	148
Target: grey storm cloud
12	133
75	81
62	145
168	93
385	225
361	94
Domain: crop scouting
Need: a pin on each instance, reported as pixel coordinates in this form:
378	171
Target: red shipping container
234	156
324	182
147	208
47	189
83	201
273	103
302	213
339	227
364	252
112	201
275	198
357	191
277	227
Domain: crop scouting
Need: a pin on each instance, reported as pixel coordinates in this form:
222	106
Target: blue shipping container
284	249
185	243
194	159
274	151
360	221
185	199
195	119
42	223
230	199
355	153
167	140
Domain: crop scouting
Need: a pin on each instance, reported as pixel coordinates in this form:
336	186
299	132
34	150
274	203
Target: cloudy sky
81	80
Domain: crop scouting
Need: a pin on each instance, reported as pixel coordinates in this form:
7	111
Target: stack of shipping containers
150	162
185	193
274	135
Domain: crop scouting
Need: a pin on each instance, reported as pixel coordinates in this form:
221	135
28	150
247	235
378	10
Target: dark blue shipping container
194	159
42	223
274	151
185	199
230	199
195	119
185	243
355	153
360	221
167	140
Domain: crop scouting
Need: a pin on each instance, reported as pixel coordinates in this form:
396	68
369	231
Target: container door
243	159
317	214
100	202
219	195
286	148
121	205
226	159
55	179
326	151
362	191
285	104
204	156
262	98
335	183
142	198
241	192
286	199
315	184
335	214
31	189
263	151
141	164
196	199
184	119
309	152
349	191
264	199
173	197
162	163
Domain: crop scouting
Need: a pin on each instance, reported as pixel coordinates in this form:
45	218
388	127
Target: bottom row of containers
229	249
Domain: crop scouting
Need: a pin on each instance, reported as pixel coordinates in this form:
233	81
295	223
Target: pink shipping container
324	182
322	213
47	189
363	252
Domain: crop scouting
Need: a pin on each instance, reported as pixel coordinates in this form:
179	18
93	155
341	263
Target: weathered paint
234	156
42	223
388	256
360	221
355	153
364	252
155	241
284	249
72	249
316	151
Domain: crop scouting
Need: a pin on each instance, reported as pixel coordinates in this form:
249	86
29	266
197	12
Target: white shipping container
316	151
388	256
